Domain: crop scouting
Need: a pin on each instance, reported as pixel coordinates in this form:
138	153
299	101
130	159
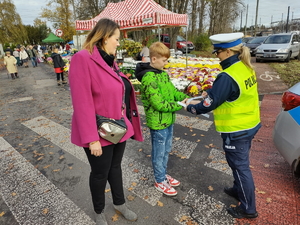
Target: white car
286	133
280	47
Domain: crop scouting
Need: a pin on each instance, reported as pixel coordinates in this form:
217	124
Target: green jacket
159	96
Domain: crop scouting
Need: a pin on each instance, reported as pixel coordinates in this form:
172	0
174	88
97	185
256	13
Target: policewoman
235	104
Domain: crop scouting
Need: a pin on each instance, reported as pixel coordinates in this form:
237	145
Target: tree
59	13
11	27
38	32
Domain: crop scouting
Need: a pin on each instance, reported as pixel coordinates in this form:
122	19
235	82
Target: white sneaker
165	188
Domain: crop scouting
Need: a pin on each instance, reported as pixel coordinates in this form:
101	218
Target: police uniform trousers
237	156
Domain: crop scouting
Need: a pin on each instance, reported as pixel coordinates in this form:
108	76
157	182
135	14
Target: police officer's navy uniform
234	101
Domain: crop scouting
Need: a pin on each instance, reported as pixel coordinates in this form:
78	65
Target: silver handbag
110	129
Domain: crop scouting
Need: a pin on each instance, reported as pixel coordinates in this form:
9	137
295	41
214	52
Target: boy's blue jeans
161	147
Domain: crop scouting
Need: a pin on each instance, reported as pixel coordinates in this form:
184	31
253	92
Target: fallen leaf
177	138
268	200
56	170
184	218
147	217
61	157
148	156
159	203
218	206
70	167
194	135
45	167
261	192
45	211
144	178
13	194
211	157
130	197
183	157
211	145
223	161
2	214
252	167
202	135
206	146
267	165
185	134
232	205
136	170
51	153
133	184
40	158
198	140
107	190
224	168
146	197
130	165
115	218
210	188
130	189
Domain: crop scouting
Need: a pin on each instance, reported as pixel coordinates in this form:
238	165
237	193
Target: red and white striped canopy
134	14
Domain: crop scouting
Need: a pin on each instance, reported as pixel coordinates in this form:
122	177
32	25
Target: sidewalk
277	190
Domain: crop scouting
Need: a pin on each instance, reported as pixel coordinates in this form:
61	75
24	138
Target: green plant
136	87
132	48
202	42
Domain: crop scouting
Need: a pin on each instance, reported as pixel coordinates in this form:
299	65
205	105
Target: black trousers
106	167
60	75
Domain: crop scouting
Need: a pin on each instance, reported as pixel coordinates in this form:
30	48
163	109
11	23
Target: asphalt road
44	178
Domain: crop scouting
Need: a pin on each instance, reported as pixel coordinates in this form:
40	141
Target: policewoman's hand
95	148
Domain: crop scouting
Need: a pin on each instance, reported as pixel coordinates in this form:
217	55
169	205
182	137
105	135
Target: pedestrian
98	87
23	57
8	49
10	62
145	52
159	97
235	104
16	54
59	65
68	48
32	55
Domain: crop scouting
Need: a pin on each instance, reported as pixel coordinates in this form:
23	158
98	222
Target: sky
267	9
31	9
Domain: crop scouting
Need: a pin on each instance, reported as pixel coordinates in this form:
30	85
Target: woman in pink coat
96	88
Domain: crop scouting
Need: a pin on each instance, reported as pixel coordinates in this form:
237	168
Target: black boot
12	76
16	75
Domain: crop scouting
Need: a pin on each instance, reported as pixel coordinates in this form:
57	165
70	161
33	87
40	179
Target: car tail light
290	100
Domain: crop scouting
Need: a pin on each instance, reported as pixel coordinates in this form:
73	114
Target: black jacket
57	60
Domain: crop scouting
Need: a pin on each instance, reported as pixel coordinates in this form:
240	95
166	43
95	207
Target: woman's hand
95	148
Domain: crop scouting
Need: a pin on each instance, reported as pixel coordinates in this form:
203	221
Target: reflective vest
242	113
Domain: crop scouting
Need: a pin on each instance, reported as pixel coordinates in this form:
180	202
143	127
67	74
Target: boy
159	97
59	65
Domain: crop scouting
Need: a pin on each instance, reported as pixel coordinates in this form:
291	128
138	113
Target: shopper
10	62
98	87
59	65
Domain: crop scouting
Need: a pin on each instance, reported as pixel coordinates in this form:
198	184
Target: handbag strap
123	97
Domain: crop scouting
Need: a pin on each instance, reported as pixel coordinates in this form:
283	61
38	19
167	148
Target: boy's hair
158	49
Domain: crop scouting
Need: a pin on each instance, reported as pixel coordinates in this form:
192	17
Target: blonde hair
158	49
104	29
244	54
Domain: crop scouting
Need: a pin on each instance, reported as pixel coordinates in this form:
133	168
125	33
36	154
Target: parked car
254	43
181	43
279	47
245	40
286	132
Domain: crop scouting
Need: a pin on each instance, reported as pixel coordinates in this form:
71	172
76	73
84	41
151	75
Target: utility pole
246	21
256	18
282	23
75	17
287	21
241	20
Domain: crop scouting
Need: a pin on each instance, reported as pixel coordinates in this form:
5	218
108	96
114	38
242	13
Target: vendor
145	52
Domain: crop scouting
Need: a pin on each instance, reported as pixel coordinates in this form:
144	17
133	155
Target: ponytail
244	55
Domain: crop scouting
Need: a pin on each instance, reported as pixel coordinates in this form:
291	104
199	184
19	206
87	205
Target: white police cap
227	40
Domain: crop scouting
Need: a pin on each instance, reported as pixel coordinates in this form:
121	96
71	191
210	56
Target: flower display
198	76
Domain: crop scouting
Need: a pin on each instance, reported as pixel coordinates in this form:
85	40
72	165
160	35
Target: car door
295	45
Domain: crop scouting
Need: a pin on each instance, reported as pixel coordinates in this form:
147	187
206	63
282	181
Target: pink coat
97	89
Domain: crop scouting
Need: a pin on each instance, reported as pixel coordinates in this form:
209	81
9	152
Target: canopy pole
186	47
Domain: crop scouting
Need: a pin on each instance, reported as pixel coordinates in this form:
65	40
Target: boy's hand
193	102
